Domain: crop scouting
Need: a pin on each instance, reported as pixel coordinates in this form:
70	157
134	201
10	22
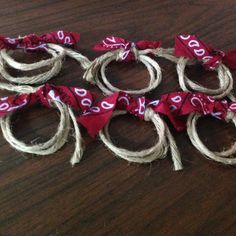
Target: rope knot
158	52
229	116
135	51
128	54
148	114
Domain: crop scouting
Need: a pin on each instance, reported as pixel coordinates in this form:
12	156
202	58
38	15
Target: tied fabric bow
192	47
176	106
95	118
114	43
77	98
34	42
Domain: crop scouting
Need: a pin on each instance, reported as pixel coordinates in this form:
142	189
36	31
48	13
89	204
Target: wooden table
104	195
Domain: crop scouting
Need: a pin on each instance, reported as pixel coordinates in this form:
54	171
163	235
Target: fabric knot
34	42
128	49
192	47
128	54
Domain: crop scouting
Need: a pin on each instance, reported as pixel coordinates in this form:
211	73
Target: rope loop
222	157
157	151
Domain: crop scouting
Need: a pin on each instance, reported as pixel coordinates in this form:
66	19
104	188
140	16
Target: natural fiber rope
232	97
167	53
55	62
224	156
18	80
49	147
56	53
78	153
18	88
99	65
54	143
83	60
224	76
158	151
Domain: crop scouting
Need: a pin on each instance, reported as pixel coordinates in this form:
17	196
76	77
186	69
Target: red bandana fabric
176	106
33	42
77	98
113	43
192	47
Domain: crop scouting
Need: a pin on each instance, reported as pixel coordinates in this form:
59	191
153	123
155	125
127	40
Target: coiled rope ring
224	76
158	151
55	62
224	156
99	65
54	143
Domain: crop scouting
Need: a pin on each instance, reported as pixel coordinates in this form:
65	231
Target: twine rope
167	53
158	151
55	62
55	142
99	65
224	77
222	157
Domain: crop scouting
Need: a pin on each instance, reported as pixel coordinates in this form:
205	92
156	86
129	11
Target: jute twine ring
231	97
55	62
158	151
99	65
224	156
224	77
55	142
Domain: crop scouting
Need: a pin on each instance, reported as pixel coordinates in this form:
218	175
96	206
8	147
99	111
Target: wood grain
104	195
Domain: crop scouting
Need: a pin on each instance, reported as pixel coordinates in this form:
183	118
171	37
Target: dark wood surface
104	195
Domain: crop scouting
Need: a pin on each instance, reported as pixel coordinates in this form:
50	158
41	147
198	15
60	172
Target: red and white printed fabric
176	106
94	116
77	98
113	43
192	47
33	42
